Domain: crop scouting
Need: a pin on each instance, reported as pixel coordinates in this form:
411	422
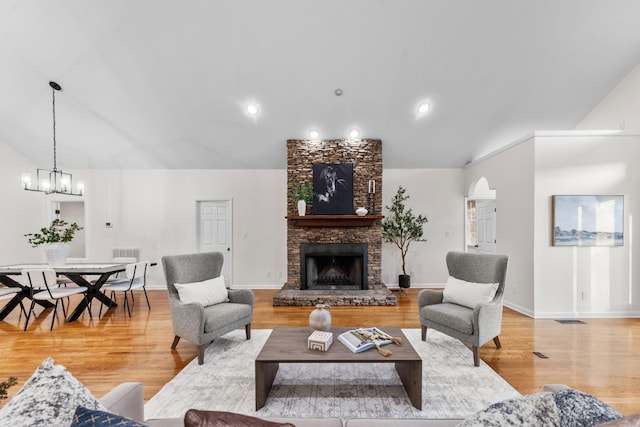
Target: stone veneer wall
366	156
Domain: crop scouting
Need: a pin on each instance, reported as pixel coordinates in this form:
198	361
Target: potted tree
56	239
401	228
303	194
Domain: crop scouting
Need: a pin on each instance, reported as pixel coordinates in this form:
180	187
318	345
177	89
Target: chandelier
53	181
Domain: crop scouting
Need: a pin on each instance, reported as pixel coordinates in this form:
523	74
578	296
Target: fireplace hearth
332	266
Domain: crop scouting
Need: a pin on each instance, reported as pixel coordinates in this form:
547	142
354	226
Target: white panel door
486	211
215	232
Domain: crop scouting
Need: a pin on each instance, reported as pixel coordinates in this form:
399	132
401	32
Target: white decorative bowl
361	211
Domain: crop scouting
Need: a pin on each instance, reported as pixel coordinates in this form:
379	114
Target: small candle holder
372	203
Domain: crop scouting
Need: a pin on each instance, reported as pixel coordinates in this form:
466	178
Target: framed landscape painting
587	220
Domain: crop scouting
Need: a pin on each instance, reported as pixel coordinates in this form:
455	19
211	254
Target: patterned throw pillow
49	397
578	409
531	410
91	418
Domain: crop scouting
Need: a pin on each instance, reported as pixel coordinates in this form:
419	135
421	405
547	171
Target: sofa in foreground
53	397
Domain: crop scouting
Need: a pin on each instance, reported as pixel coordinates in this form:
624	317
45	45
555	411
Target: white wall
620	109
586	281
439	195
511	174
155	210
22	211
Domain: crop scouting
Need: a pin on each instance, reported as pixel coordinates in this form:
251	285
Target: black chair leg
175	342
496	340
29	315
424	333
126	303
147	297
55	311
247	329
476	355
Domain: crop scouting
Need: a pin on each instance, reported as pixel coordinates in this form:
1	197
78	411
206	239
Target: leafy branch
58	231
302	192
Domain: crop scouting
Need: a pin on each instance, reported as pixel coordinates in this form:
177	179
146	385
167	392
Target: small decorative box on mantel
320	340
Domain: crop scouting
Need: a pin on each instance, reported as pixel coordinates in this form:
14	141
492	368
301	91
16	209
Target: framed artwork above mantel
587	220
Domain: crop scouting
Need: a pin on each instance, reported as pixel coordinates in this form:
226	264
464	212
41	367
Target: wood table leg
265	374
410	373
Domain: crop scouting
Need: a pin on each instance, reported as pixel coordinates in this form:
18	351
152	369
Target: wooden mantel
334	220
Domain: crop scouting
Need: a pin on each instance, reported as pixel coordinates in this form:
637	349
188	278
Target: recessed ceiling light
354	133
423	107
252	109
314	134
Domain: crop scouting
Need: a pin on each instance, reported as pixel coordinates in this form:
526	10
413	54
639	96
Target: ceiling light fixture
53	181
354	133
314	134
252	109
423	107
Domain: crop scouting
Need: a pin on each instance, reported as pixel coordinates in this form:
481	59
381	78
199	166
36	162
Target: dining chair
136	278
44	286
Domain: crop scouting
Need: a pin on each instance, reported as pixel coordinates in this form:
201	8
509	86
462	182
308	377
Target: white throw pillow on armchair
468	294
208	292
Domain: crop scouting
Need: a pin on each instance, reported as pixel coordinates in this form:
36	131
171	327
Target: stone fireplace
316	274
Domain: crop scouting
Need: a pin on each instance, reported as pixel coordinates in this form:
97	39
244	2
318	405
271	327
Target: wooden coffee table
289	345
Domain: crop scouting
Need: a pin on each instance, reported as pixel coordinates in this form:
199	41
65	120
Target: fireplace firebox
329	266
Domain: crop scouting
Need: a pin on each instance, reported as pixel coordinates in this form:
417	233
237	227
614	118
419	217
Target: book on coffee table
361	339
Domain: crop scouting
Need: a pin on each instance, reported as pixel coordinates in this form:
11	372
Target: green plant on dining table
59	231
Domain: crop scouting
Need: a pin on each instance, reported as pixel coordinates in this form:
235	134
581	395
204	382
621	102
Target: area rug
452	386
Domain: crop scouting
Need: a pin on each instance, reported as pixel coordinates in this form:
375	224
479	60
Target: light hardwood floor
601	357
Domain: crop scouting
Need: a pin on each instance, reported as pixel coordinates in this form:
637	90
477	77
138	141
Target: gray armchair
475	326
194	322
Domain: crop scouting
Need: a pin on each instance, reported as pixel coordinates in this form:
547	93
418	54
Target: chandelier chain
53	91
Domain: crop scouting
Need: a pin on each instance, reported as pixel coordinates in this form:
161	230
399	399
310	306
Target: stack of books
362	339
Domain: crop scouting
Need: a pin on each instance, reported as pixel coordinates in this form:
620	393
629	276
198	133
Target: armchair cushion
216	317
208	292
454	316
468	294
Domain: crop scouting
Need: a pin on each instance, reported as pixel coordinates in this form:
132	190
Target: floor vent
127	253
570	321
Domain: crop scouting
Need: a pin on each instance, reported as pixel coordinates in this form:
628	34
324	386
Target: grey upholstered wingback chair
194	322
475	326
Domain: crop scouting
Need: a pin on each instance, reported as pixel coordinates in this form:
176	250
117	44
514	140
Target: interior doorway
72	212
480	218
215	232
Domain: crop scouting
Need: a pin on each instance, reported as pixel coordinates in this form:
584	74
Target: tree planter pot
404	281
56	253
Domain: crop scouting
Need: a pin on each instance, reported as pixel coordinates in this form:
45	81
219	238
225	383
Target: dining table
77	273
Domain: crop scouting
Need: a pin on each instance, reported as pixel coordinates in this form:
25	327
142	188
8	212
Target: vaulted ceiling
164	84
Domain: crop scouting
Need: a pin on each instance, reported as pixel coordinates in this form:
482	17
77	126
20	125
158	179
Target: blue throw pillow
578	409
84	417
